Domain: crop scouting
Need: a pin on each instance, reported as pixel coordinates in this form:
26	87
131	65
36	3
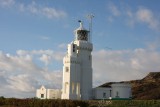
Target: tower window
78	89
89	57
66	87
74	48
67	69
72	87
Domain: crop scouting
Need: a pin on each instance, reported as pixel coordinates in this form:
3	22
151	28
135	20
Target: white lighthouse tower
77	68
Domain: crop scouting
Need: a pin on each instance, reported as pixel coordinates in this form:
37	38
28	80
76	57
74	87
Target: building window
42	95
110	93
117	94
104	95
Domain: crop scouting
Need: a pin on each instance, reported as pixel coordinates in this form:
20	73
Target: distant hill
146	88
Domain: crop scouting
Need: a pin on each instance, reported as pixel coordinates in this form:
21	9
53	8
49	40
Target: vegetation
13	102
125	103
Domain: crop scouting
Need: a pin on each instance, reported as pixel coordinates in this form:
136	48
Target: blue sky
34	35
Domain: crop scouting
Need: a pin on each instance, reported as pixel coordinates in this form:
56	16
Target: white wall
121	90
85	49
53	94
71	78
102	93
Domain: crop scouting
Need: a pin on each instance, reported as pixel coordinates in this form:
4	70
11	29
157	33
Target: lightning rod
90	17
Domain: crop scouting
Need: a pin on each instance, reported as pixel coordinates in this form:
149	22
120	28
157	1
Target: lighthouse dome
81	33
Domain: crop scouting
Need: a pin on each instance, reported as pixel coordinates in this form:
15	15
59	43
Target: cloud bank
7	3
22	73
122	65
26	71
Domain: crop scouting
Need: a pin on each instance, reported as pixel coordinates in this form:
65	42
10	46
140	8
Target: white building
77	69
41	93
116	91
44	93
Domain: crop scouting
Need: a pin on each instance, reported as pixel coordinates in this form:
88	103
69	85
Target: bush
12	102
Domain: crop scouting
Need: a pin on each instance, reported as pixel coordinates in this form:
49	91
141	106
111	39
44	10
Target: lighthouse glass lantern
81	33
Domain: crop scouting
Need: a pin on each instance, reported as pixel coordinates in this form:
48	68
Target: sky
34	35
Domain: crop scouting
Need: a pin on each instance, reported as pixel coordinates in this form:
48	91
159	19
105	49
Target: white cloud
146	16
63	46
58	56
53	77
129	13
48	12
143	16
7	3
22	83
44	37
11	63
152	46
131	18
21	7
114	10
46	59
34	8
52	13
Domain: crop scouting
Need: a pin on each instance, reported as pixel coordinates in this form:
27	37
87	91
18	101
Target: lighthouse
77	67
77	73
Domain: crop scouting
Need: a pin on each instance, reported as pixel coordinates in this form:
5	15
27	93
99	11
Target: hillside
146	88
